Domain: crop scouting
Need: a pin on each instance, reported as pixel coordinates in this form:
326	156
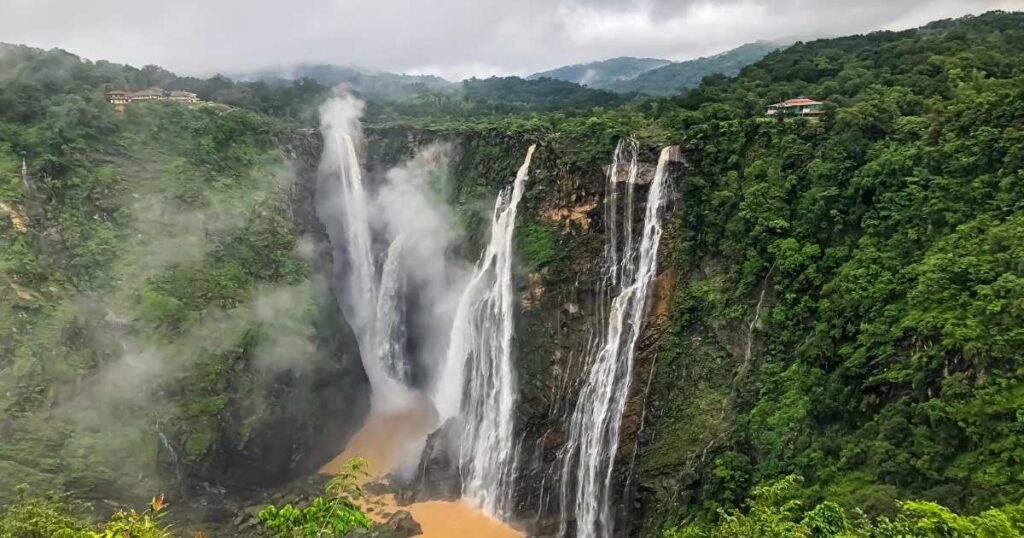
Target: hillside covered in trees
654	77
842	351
602	74
678	76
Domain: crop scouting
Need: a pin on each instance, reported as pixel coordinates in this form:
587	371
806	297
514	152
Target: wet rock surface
401	525
437	477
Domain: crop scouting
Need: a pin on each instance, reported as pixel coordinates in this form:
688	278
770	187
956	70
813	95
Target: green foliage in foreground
42	517
55	517
332	515
775	511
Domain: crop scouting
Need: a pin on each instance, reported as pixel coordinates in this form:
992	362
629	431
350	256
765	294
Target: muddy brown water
387	441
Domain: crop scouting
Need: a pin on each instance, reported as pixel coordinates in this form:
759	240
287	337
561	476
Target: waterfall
389	331
174	456
477	382
593	436
372	306
361	286
26	186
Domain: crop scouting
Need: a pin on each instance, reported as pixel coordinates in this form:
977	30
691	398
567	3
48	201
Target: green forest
843	355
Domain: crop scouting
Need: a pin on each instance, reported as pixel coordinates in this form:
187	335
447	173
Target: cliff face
559	239
559	317
560	235
167	320
276	424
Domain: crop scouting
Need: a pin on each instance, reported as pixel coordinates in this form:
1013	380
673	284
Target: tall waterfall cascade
630	267
477	382
370	296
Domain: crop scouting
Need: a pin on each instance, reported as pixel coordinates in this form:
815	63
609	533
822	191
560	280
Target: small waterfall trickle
477	383
175	458
593	432
26	186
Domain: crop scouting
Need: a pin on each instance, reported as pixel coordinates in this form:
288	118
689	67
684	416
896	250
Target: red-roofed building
800	106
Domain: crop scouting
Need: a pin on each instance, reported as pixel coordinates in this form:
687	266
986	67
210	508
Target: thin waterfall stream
389	328
593	433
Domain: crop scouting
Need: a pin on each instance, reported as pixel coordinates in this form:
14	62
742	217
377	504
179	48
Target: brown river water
387	441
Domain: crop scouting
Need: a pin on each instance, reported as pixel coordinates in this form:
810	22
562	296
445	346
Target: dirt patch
578	214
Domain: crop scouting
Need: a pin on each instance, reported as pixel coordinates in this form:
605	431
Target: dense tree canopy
888	237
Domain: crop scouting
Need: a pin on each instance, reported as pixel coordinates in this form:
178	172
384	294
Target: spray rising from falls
593	439
389	328
370	304
477	383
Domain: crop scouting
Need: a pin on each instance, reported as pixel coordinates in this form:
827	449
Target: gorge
530	307
475	385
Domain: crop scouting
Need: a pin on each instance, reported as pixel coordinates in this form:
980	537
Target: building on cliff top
800	106
119	98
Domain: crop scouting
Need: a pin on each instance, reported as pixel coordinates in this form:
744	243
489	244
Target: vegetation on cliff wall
157	313
849	300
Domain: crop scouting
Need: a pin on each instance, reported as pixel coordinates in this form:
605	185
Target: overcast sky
451	38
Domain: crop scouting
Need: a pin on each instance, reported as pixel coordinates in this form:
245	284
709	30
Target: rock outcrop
437	476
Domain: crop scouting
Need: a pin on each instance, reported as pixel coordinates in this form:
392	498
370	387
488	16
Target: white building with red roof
800	106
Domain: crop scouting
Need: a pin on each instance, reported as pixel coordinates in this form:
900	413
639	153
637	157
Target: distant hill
678	76
380	84
604	73
654	76
506	94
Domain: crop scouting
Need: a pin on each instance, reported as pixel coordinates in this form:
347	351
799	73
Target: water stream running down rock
477	382
593	432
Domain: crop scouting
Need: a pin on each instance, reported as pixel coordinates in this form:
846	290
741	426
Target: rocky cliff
560	237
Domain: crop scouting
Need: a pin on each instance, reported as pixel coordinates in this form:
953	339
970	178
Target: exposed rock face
552	337
559	301
400	525
437	477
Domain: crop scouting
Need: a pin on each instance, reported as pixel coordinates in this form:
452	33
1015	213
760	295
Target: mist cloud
454	38
409	206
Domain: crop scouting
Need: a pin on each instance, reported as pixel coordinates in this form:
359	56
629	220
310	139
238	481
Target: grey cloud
450	37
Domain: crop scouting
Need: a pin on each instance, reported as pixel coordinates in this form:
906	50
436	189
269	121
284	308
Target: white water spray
389	329
342	205
593	440
477	382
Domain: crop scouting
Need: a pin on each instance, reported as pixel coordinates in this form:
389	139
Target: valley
522	307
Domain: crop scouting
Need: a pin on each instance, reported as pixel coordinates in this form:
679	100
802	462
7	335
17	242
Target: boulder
438	476
401	525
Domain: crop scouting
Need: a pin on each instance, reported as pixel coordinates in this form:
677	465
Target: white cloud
454	38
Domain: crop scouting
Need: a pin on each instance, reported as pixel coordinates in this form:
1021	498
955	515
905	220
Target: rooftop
799	101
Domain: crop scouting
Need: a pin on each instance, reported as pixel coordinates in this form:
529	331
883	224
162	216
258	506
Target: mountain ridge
590	73
655	76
